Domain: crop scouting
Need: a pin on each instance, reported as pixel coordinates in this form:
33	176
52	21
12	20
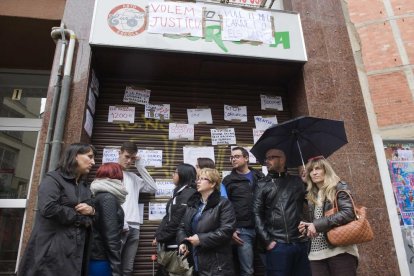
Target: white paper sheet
150	158
157	111
199	115
110	154
223	136
121	114
235	113
165	188
257	133
271	102
156	210
136	95
192	153
264	122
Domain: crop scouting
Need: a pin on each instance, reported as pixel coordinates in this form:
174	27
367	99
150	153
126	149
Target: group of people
216	224
88	230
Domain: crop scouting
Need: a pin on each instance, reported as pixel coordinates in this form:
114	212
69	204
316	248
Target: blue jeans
245	252
99	268
288	259
130	240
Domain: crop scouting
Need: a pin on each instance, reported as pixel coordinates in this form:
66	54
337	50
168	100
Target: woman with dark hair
57	244
184	178
109	193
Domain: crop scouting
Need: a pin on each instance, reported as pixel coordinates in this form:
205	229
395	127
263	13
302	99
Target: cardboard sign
121	114
271	102
150	158
136	95
224	136
235	113
181	132
157	111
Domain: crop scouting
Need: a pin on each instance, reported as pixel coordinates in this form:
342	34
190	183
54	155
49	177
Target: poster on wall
121	114
182	18
252	25
223	136
235	113
137	95
88	123
156	210
150	158
269	102
180	132
110	154
257	133
91	101
264	122
165	188
199	116
402	178
157	111
191	153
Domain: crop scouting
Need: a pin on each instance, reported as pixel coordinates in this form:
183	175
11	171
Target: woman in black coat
184	179
57	244
109	193
207	227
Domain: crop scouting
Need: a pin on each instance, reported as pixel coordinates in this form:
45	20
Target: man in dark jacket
278	208
240	185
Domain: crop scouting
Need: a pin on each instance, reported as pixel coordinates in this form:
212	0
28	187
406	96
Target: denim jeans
245	252
130	240
288	259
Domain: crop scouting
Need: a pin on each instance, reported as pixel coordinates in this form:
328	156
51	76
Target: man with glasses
278	208
240	185
134	185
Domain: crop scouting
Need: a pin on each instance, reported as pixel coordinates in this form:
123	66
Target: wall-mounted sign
121	114
181	132
120	23
223	136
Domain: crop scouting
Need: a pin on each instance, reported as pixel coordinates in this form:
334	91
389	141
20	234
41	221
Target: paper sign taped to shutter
192	153
199	116
136	95
150	158
263	123
181	132
257	133
165	188
271	102
156	210
121	114
235	113
157	111
110	155
224	136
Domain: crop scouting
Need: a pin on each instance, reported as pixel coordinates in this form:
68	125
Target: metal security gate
153	134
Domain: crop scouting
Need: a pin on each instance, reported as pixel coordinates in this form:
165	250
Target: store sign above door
198	27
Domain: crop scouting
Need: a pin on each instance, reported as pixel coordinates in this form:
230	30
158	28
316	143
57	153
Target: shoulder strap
352	200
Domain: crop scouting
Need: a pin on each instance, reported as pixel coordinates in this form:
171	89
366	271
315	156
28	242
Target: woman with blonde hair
207	227
323	184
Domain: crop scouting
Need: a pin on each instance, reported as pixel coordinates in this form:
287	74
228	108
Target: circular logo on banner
127	20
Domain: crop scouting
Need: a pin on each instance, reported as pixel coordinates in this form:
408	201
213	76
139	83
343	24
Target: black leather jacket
279	207
240	193
345	215
176	206
107	229
214	229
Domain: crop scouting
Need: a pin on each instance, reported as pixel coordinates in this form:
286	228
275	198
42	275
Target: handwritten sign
223	136
150	158
165	188
175	18
156	210
257	133
181	132
121	114
249	25
110	154
135	95
88	123
271	102
157	111
235	113
192	153
91	101
199	116
263	123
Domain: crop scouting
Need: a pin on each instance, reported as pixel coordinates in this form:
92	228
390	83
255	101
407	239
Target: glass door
20	121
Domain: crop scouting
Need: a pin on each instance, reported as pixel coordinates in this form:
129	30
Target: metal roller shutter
150	133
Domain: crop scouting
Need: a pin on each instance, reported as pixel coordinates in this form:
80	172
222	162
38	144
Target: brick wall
388	56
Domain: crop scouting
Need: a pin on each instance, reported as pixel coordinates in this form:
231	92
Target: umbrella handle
300	152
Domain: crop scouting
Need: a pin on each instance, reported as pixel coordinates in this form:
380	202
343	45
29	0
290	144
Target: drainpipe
57	33
63	104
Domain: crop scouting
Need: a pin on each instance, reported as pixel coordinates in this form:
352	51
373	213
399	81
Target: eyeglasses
203	178
271	157
235	157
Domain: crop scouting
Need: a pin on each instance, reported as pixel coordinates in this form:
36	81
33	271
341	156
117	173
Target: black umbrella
302	138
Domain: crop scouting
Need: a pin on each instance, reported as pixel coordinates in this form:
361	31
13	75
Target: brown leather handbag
354	232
